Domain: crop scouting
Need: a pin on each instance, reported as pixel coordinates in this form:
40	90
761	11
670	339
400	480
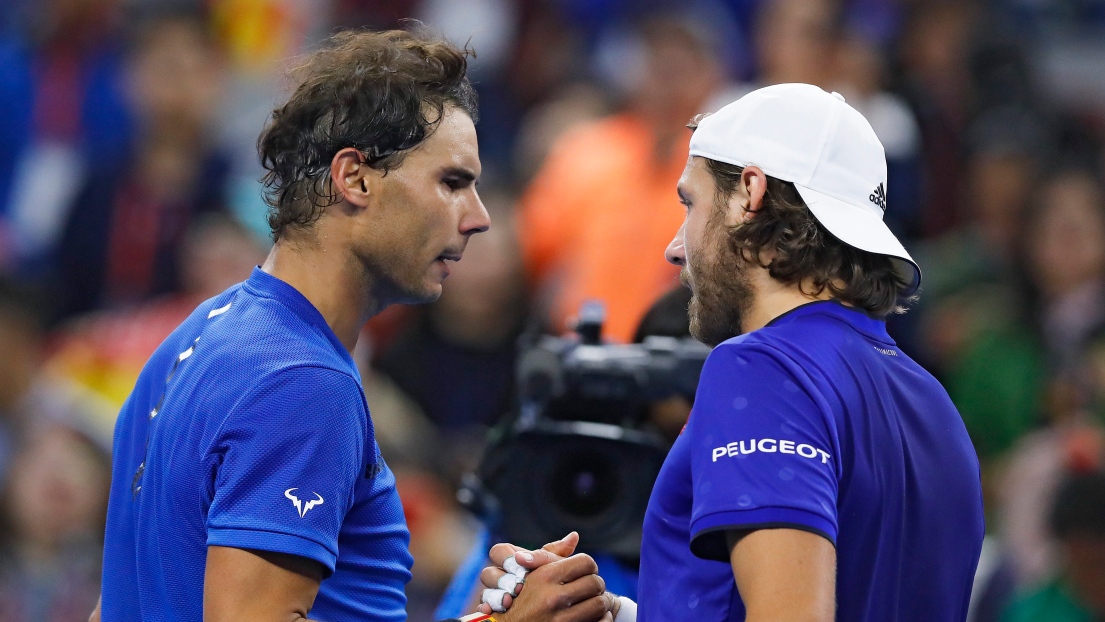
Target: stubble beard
390	284
721	293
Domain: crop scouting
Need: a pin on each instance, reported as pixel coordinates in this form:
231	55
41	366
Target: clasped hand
559	586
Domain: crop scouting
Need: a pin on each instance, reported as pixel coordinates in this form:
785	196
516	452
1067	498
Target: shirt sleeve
763	450
285	464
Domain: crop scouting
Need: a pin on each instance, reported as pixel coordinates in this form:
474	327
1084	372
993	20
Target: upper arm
763	450
286	464
784	574
243	585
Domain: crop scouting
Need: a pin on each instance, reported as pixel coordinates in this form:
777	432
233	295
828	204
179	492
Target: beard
721	292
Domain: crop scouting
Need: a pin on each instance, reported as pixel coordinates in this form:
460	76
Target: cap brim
862	229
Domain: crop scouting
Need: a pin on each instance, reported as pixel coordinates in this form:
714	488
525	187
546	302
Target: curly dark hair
805	253
381	93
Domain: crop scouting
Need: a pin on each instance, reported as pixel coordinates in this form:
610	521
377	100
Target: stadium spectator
547	54
1026	490
1077	594
795	41
21	341
543	126
54	513
1014	376
936	80
30	393
122	239
1066	263
62	108
604	193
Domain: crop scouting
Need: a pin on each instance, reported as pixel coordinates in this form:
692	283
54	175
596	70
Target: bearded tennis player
823	474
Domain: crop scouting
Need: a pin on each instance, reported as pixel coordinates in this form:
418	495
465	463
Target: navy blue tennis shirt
248	428
818	422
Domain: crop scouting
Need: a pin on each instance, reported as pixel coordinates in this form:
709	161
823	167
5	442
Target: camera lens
583	484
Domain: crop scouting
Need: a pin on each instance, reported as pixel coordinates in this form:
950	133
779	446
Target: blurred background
129	192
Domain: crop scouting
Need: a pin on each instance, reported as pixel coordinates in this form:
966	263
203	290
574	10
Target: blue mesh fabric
261	439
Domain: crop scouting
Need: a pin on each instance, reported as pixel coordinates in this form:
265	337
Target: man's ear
748	197
351	176
753	186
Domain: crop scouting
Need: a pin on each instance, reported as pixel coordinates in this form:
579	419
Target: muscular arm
784	575
257	586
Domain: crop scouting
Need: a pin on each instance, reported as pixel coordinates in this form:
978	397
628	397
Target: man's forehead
457	132
691	172
452	142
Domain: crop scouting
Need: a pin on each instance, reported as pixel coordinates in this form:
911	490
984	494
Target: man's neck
329	281
773	299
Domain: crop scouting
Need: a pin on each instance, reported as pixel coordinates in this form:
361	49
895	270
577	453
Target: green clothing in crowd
1052	603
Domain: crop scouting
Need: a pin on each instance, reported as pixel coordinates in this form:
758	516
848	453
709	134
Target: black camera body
578	453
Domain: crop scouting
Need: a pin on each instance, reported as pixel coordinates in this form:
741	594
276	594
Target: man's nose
476	219
676	252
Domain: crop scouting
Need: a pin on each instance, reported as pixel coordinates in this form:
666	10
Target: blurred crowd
129	192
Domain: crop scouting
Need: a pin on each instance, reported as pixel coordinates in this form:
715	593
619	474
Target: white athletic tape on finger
509	584
627	612
512	566
494	599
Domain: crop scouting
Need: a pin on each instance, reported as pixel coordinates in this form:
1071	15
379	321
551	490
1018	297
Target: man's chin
707	328
420	296
428	295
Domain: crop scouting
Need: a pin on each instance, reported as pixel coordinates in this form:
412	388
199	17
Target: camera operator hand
567	586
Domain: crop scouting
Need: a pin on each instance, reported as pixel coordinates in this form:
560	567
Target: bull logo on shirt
302	507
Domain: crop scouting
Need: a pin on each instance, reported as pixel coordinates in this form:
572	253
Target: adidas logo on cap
878	197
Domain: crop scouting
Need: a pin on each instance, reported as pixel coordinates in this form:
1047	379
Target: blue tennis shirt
818	422
248	428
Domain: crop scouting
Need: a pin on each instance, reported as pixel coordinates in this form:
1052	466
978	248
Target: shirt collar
872	327
265	285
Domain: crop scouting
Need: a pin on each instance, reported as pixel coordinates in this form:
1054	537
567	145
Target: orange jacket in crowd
595	221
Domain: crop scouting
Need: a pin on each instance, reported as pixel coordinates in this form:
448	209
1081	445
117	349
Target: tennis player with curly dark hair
246	480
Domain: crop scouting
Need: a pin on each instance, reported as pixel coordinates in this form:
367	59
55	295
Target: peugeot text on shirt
770	446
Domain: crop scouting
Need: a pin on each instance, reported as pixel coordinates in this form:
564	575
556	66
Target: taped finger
509	583
512	566
494	598
490	576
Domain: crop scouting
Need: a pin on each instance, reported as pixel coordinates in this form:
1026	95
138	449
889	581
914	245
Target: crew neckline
858	319
265	285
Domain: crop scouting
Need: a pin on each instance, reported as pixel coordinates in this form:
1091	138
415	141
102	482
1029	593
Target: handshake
559	586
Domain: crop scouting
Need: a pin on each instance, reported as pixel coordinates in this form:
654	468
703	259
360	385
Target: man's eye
456	184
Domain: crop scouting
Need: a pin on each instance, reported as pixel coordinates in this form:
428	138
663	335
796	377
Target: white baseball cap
813	139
